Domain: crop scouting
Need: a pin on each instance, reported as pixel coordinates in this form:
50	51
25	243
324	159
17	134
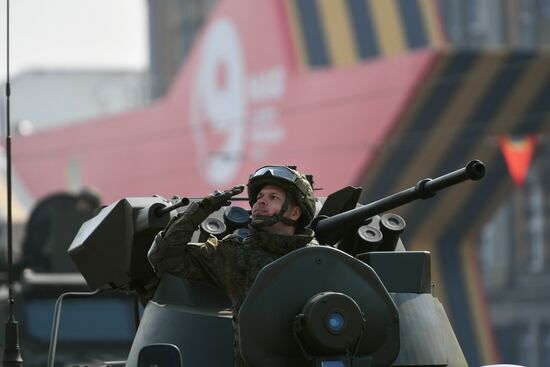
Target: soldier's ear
295	212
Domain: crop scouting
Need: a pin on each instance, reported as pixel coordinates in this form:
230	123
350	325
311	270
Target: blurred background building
514	245
84	95
174	26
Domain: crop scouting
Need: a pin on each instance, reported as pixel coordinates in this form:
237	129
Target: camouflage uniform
233	263
230	264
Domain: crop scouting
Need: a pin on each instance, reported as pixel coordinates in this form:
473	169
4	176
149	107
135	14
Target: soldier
282	203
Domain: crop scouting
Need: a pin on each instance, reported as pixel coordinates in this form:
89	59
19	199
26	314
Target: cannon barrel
325	226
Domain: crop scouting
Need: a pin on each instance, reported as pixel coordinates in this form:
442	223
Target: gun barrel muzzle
475	169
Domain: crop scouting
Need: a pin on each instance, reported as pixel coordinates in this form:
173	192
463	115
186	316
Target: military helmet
293	182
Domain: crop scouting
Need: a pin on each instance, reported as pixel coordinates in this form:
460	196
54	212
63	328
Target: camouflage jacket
230	264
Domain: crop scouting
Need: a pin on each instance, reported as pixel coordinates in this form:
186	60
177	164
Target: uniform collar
281	244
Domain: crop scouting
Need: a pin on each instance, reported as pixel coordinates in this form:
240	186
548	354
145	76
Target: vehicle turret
361	300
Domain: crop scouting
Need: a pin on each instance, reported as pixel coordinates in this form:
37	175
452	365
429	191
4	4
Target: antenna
12	351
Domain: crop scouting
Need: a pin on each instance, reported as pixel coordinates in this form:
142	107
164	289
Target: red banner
241	101
518	152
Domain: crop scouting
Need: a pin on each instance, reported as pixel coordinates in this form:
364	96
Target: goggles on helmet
281	172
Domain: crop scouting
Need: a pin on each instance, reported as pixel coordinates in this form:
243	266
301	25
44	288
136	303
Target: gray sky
62	34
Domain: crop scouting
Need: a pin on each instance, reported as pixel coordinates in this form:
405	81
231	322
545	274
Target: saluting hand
218	198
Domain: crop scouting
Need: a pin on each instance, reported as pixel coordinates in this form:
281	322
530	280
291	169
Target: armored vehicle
360	300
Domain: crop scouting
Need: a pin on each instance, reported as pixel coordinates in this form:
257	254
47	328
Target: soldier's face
269	201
